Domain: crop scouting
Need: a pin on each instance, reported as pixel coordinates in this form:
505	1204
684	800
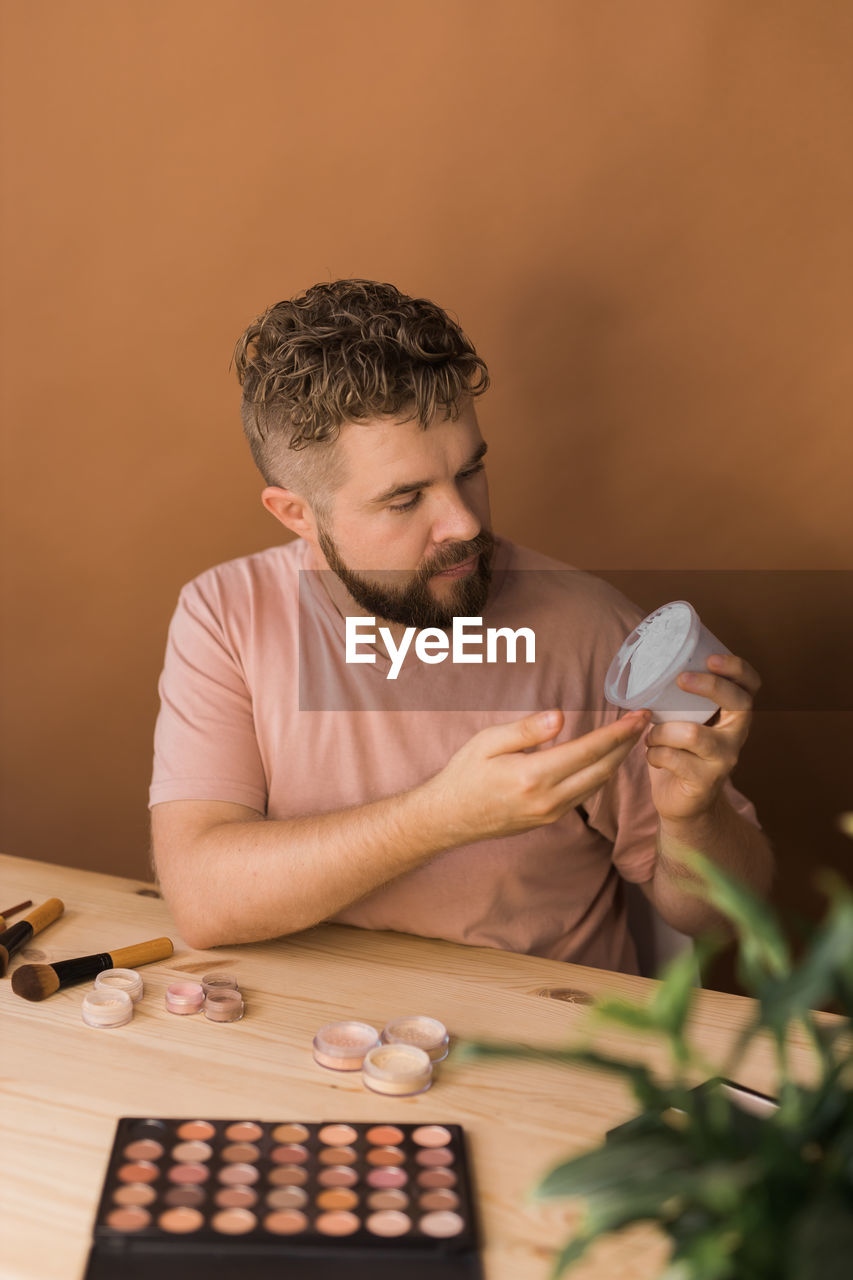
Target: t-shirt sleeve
624	813
205	746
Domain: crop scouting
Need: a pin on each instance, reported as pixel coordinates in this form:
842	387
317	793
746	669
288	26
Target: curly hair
346	351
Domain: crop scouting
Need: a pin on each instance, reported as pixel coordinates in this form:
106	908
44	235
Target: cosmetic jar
219	982
424	1033
398	1069
644	671
121	980
225	1005
184	997
105	1008
341	1046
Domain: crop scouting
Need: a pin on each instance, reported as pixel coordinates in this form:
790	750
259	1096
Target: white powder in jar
661	637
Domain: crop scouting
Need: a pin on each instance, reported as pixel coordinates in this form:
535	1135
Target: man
293	786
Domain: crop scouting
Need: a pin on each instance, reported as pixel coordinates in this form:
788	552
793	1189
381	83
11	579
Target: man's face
408	532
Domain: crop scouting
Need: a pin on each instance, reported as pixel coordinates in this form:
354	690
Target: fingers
733	688
533	730
569	758
585	782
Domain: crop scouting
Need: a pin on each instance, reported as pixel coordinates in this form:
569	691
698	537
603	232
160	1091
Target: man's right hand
493	787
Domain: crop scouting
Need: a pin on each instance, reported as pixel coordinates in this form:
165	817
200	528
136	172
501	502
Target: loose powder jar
105	1008
341	1046
184	997
424	1033
121	980
397	1069
225	1005
219	982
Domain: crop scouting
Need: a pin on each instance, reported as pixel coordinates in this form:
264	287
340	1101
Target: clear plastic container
122	980
341	1046
399	1070
225	1005
106	1008
219	982
668	641
423	1032
184	997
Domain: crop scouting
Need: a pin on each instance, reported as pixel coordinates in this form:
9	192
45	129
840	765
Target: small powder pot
341	1046
397	1069
121	980
225	1005
184	997
106	1008
425	1033
219	982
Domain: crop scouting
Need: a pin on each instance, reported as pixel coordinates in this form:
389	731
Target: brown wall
642	215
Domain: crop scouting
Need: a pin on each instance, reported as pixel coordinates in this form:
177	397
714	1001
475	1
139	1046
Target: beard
413	604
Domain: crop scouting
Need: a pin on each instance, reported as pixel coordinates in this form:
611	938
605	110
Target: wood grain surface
64	1083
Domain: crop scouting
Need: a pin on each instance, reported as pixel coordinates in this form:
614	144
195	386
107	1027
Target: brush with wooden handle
38	981
13	911
17	934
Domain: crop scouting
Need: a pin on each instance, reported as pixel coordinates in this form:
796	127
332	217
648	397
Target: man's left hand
690	762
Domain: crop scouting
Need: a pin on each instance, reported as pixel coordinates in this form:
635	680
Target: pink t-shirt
260	708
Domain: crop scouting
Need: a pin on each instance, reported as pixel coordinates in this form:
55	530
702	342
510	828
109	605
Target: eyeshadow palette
285	1199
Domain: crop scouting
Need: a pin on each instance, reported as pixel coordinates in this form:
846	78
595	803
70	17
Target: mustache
458	553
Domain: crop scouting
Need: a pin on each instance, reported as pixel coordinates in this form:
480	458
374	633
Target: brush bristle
4	961
35	981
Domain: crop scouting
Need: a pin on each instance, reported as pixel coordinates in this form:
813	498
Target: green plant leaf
763	951
814	979
638	1157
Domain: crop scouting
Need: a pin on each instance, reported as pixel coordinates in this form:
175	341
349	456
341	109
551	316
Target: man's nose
455	522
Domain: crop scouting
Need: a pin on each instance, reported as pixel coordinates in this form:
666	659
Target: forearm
736	845
246	881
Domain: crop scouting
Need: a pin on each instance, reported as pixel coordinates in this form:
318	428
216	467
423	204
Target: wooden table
64	1084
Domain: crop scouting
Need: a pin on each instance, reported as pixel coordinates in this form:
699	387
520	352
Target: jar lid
421	1031
219	982
106	1008
184	997
122	980
341	1046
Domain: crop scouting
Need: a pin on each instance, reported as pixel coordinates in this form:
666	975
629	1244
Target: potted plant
741	1197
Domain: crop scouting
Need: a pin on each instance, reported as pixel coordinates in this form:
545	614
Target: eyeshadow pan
193	1196
260	1200
181	1220
134	1193
337	1223
234	1222
288	1133
389	1222
130	1218
139	1171
337	1198
286	1222
243	1175
431	1135
388	1199
201	1129
188	1173
437	1178
236	1197
192	1152
241	1151
288	1175
337	1135
285	1198
385	1135
337	1176
433	1157
244	1131
144	1149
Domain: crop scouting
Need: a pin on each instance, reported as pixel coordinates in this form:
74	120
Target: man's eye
407	506
472	471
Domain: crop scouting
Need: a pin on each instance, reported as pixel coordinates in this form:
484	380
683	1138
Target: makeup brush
37	981
17	934
13	911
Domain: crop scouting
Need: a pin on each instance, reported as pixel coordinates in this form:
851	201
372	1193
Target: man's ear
290	509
